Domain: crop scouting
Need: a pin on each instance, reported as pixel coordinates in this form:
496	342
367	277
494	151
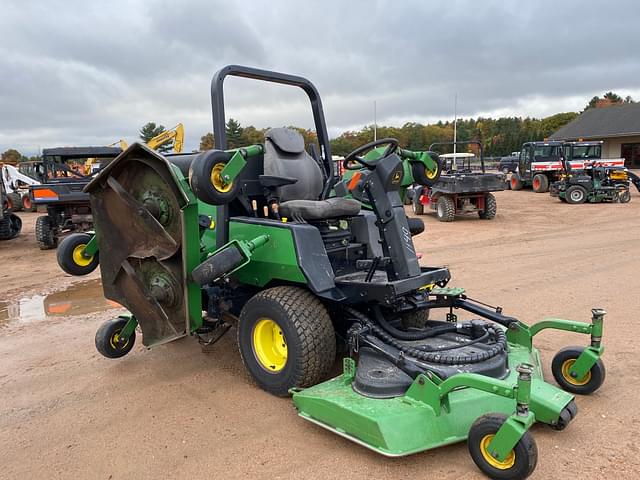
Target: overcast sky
90	73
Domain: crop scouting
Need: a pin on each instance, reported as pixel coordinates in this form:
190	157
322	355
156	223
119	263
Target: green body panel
276	260
412	423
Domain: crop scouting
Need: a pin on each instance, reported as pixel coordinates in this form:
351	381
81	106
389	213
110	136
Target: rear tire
576	195
286	339
490	207
540	183
45	234
624	196
516	182
14	202
70	258
446	209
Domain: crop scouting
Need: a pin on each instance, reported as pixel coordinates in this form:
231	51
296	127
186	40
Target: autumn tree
207	142
11	156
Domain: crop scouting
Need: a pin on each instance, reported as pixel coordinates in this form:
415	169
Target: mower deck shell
402	425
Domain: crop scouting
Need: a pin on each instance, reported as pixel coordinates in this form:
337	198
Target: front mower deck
382	424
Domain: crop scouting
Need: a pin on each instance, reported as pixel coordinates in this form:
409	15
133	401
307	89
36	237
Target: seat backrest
285	156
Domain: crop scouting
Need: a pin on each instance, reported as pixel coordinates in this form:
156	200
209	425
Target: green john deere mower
268	237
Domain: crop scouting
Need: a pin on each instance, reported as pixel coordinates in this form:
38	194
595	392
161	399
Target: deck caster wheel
71	258
520	462
205	178
108	341
286	339
562	363
567	414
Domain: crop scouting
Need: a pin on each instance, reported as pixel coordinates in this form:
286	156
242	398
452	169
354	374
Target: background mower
459	189
593	184
261	236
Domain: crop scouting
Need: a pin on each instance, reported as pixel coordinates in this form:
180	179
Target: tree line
498	137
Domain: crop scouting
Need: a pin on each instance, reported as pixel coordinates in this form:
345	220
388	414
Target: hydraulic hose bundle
479	331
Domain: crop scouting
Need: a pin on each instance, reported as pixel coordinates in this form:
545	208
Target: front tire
562	363
490	207
446	209
71	258
286	339
519	464
576	195
416	205
28	205
540	183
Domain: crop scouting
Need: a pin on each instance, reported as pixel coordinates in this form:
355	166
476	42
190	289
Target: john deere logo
397	177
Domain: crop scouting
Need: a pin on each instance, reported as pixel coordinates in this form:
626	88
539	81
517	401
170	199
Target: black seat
285	156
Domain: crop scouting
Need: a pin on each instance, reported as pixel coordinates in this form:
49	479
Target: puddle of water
79	299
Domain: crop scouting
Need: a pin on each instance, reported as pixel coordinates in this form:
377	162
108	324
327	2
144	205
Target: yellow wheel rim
115	338
78	257
505	464
217	181
269	345
431	174
566	366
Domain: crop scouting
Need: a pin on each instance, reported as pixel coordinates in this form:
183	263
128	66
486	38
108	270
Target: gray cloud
76	72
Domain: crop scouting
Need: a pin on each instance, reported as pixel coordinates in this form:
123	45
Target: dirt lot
175	412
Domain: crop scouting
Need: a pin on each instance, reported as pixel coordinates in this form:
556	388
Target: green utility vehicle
266	237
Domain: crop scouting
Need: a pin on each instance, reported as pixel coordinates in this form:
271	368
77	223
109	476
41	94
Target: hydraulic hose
435	356
415	335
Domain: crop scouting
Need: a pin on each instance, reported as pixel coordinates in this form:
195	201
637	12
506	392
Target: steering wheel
352	160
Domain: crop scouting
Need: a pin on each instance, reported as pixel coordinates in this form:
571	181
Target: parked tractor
267	238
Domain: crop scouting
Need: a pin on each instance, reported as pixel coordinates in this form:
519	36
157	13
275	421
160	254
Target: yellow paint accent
212	225
506	464
78	257
269	345
284	219
428	287
566	366
216	179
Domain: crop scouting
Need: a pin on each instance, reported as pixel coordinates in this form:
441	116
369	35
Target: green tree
207	142
234	133
11	156
151	130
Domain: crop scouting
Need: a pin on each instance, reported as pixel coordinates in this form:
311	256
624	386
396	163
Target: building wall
611	146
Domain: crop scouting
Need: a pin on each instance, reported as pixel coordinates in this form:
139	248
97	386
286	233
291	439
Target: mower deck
382	424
